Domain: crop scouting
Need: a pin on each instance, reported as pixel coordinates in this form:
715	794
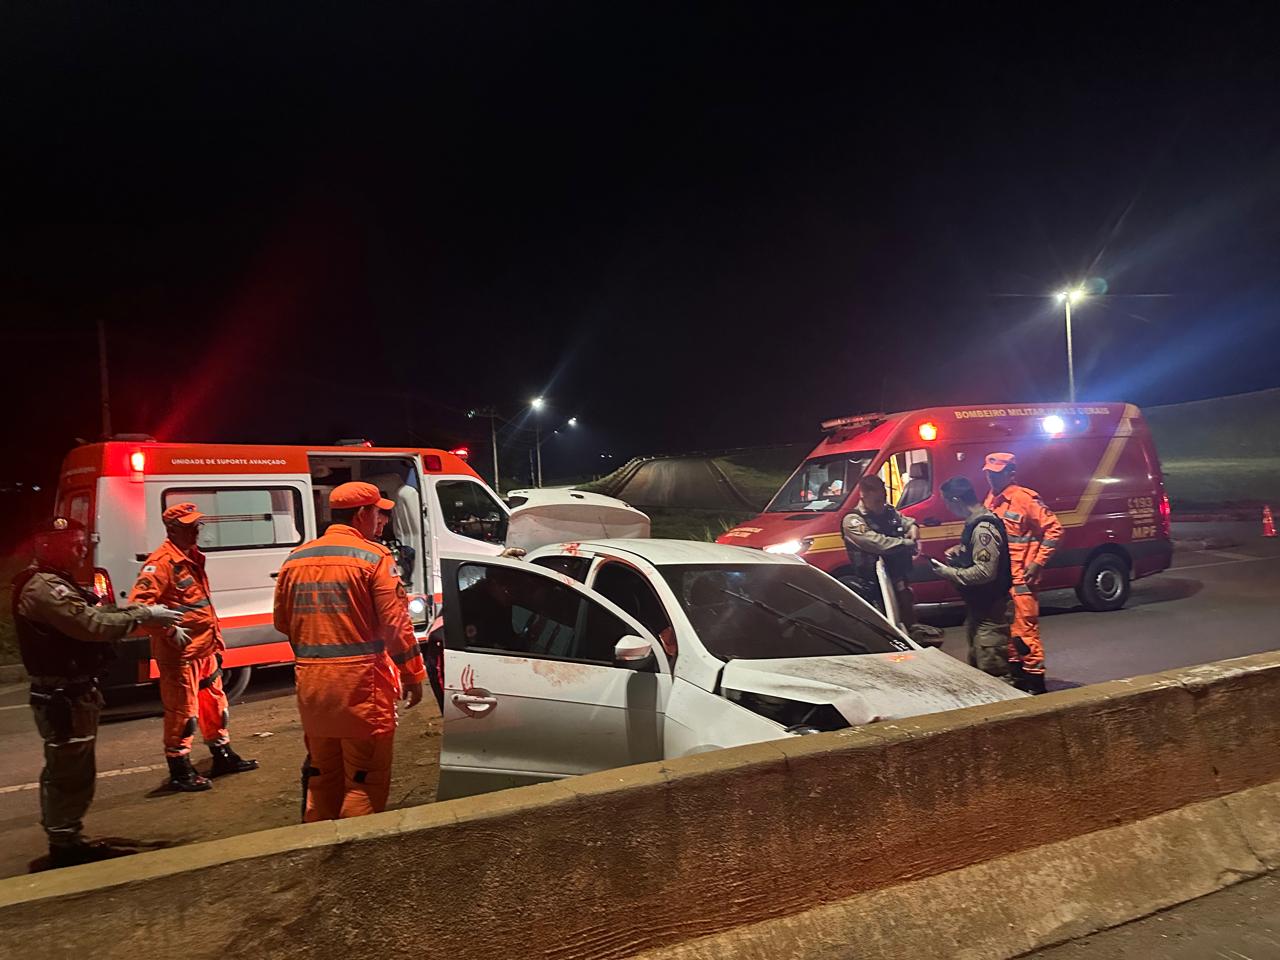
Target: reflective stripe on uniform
188	607
1026	539
1049	544
307	553
405	657
1021	589
183	584
1011	515
325	651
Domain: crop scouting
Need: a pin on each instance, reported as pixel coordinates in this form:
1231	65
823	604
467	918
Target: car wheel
1105	584
235	680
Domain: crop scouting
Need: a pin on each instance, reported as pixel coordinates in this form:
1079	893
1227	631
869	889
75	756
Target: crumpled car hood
870	687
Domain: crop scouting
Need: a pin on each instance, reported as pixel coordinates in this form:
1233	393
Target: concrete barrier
1004	827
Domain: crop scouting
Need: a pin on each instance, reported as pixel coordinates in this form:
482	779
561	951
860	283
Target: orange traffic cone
1268	522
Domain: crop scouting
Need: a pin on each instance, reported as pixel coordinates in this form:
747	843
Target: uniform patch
144	583
60	590
984	538
149	568
983	556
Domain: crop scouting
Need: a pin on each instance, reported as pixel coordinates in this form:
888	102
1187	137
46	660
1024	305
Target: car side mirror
633	652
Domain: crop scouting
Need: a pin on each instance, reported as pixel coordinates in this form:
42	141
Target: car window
821	483
469	510
631	591
575	567
907	477
518	611
243	518
761	611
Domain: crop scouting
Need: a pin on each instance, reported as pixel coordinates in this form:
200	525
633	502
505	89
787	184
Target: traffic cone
1268	522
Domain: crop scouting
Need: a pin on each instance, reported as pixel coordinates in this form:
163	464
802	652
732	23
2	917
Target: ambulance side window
77	509
243	518
908	477
469	510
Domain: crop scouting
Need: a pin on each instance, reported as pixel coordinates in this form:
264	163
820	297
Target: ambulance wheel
235	680
1105	584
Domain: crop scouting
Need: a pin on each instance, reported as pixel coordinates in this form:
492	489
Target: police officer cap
60	525
959	488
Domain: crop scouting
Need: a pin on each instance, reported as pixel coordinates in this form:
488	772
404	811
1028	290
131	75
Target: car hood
560	516
870	687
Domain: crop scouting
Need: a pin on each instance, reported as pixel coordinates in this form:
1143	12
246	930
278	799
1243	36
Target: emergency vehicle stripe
326	651
353	552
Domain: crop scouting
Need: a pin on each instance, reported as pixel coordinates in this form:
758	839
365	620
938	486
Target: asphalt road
1214	604
680	482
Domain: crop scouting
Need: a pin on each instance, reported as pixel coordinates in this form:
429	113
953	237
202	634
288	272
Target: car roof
666	552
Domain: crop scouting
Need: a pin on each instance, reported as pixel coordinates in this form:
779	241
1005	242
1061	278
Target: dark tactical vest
987	592
887	523
47	652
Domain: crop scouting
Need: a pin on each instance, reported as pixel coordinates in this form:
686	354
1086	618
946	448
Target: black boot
183	776
226	760
1033	683
72	854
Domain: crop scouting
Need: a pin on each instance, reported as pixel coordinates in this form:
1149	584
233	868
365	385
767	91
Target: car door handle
479	704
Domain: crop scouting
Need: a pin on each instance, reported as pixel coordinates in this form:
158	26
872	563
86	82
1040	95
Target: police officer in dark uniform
872	531
66	639
979	567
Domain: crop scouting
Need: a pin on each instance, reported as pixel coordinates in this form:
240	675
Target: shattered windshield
764	611
822	483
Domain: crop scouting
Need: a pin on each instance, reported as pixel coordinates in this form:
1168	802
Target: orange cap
996	462
347	496
182	513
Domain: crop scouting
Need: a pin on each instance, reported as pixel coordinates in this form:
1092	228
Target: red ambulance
1094	465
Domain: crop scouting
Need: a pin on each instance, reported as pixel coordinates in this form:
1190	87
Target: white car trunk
562	516
870	687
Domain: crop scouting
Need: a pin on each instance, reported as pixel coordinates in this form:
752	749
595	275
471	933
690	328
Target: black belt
73	688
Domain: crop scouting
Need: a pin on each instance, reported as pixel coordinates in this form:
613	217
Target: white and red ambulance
262	501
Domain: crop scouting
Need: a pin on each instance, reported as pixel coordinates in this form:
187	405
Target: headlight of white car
798	717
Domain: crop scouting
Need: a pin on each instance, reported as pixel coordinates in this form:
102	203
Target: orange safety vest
340	602
178	580
1034	530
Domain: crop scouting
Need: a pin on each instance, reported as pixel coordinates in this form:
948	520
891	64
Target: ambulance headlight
1053	425
791	547
417	608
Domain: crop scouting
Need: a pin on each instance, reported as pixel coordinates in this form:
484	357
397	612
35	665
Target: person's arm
857	532
1048	531
45	600
281	615
391	607
988	542
150	589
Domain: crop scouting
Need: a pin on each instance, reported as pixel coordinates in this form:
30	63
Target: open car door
543	679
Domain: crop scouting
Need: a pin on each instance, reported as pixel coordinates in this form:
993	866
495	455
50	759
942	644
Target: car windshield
822	483
763	611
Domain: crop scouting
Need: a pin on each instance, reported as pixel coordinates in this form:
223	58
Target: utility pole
492	414
103	386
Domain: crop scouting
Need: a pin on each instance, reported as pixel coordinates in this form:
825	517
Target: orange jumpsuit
1034	532
190	679
344	610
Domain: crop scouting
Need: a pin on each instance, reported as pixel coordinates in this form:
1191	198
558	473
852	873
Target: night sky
692	226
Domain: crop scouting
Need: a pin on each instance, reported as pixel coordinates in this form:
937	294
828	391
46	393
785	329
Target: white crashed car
599	654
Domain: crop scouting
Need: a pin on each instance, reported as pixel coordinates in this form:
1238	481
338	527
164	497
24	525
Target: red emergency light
860	420
462	453
928	431
137	461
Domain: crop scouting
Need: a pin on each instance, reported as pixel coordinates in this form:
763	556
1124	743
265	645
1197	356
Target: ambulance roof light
137	461
928	430
462	453
859	420
354	442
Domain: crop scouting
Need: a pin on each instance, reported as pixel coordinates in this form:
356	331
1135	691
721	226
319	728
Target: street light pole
103	387
1067	298
536	403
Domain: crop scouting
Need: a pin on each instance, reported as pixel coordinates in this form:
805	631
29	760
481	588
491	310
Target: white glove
161	615
515	553
180	637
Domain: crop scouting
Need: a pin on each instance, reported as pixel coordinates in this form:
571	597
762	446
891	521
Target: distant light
536	403
928	430
573	421
1053	424
1075	296
35	488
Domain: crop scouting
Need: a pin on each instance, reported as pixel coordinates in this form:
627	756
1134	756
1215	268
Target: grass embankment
758	474
689	523
9	568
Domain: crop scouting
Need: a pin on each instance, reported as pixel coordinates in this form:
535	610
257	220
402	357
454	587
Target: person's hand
161	615
412	694
937	566
515	553
953	551
180	637
1032	574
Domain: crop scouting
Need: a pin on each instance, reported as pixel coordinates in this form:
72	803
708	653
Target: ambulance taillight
102	585
1166	518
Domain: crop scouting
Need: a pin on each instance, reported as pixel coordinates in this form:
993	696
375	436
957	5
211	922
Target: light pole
537	403
1067	298
492	414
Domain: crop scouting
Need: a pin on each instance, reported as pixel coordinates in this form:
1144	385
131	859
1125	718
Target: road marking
1220	563
17	706
127	771
1234	556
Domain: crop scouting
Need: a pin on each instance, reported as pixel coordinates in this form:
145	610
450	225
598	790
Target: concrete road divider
977	833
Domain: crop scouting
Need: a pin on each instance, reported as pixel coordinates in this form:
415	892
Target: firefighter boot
183	776
226	760
73	854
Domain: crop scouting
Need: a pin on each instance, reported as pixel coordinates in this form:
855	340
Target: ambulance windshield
822	483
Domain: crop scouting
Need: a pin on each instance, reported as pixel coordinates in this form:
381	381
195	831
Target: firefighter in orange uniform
1034	533
189	655
340	602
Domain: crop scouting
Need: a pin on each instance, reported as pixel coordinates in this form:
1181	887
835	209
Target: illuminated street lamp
573	421
537	403
1067	298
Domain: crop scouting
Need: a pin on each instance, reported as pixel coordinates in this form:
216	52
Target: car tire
1105	584
235	680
